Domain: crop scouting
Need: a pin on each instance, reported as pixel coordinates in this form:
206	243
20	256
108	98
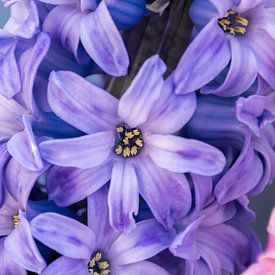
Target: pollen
16	220
233	23
129	141
97	266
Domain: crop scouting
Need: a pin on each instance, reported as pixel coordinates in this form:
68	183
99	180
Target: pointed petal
143	267
7	265
155	184
144	242
242	73
70	185
68	266
222	6
182	155
123	198
248	4
82	152
65	235
98	218
139	99
20	181
168	108
10	82
209	47
80	103
21	247
3	162
24	20
103	42
63	24
22	146
262	44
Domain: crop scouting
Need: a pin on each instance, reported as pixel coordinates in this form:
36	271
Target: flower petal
7	265
20	181
164	118
3	161
144	242
80	103
139	99
103	42
21	247
65	235
143	267
24	20
70	185
63	24
123	198
222	6
210	46
98	218
156	184
82	152
68	266
242	73
10	82
22	146
182	155
248	4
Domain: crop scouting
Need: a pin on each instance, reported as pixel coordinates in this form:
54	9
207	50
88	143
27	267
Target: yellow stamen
96	267
16	220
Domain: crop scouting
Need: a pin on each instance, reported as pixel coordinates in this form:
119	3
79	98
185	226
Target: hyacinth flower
236	33
266	261
94	26
215	239
129	141
242	128
24	18
97	248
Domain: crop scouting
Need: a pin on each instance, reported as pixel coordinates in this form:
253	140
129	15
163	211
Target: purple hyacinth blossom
96	248
18	251
236	33
24	18
129	141
91	24
214	239
242	128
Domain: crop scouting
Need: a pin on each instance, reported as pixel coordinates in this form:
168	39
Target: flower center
98	267
129	141
16	220
233	23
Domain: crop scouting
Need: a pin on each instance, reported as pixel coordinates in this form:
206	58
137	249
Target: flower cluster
157	181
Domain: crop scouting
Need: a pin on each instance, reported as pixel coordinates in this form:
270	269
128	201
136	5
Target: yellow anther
16	220
119	129
95	267
242	21
126	152
139	142
136	132
134	151
126	141
105	272
103	265
129	134
118	150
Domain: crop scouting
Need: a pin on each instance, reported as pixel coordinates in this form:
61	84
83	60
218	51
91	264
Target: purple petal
139	99
168	108
7	265
20	181
248	4
3	161
81	104
28	64
21	247
82	152
262	44
209	47
241	178
98	218
63	24
155	184
143	267
242	73
144	242
10	82
182	155
223	6
70	185
103	42
123	198
65	235
24	20
23	147
68	266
